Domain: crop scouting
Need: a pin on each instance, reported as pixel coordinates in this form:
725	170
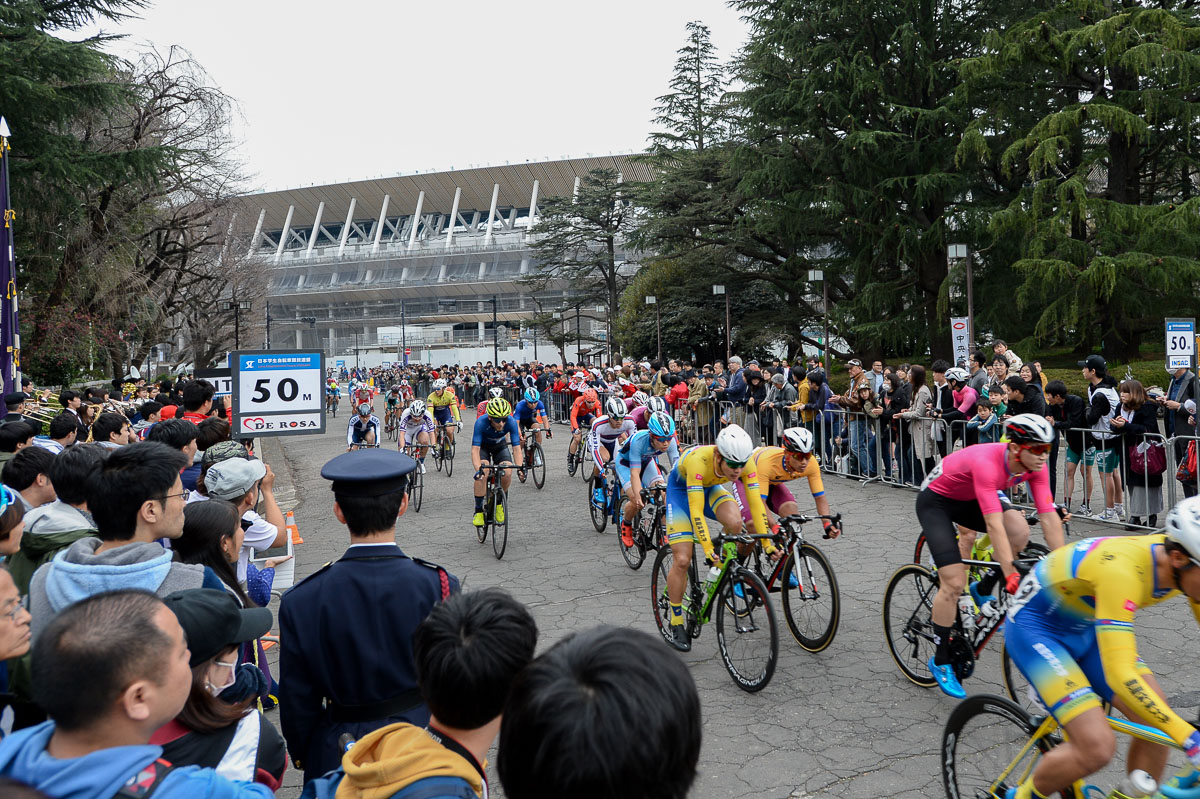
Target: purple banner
10	331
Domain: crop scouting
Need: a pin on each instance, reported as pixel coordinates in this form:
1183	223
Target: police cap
15	397
369	472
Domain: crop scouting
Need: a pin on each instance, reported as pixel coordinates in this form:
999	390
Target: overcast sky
334	91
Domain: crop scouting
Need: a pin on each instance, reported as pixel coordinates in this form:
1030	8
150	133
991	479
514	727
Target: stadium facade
424	261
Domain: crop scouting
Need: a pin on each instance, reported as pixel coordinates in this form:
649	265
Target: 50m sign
278	392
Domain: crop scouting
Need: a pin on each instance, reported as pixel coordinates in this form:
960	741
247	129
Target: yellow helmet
498	408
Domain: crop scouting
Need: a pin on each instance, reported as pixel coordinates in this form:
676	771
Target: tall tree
1099	159
694	113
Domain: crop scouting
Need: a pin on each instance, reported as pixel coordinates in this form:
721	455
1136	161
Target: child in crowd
985	422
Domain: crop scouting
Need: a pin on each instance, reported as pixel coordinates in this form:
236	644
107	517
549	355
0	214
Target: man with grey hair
737	390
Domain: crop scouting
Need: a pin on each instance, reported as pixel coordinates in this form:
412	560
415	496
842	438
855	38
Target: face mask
216	690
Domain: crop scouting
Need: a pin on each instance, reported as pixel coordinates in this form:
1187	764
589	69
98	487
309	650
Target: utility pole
653	300
728	332
495	339
403	336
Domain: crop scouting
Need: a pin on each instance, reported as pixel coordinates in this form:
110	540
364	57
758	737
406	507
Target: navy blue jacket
345	636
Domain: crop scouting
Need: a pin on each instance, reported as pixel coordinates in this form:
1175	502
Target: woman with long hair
1137	424
920	425
212	537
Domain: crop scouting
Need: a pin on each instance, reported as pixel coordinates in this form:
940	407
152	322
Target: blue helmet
532	395
661	424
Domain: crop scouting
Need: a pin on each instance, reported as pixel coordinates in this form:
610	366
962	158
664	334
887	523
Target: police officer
346	659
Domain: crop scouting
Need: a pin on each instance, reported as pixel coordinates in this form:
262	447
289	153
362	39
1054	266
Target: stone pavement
842	723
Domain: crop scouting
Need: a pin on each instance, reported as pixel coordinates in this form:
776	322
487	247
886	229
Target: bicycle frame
727	543
792	540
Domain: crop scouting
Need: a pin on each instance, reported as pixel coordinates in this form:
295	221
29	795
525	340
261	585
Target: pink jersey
980	471
640	416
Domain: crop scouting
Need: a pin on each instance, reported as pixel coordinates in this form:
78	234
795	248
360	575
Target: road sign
408	351
278	392
340	363
221	378
960	340
1181	343
386	365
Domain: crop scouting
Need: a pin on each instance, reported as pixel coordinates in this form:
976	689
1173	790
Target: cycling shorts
775	498
359	435
1106	460
496	455
442	414
938	516
585	420
1064	667
679	515
650	474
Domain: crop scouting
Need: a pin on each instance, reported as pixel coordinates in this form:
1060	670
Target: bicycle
535	455
813	606
416	480
443	450
739	618
991	743
578	463
646	536
391	424
331	404
610	507
908	620
494	494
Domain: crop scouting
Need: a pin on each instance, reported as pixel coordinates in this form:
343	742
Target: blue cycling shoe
980	599
737	591
793	581
947	680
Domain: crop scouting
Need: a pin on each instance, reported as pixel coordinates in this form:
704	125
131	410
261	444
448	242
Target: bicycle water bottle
1137	785
966	611
710	582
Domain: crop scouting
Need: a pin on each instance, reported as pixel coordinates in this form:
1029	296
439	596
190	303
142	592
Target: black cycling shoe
680	638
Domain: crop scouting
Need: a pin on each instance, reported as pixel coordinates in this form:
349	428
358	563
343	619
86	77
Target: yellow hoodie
394	757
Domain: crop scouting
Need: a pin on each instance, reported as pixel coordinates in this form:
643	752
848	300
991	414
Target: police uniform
346	660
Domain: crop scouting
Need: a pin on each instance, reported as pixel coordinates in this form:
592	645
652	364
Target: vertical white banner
960	340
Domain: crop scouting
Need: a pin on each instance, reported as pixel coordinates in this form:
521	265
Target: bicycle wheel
658	593
747	636
813	608
587	466
438	451
481	532
985	748
599	513
908	621
635	555
919	552
417	492
537	465
500	529
448	455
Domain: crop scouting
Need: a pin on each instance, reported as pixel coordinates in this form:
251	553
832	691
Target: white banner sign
960	340
1181	343
278	392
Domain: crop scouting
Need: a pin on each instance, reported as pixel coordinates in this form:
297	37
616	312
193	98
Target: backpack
145	782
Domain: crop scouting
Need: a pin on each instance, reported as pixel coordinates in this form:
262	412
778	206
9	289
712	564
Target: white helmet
798	439
1183	526
615	408
417	408
734	444
657	405
496	391
640	398
1029	428
957	375
439	384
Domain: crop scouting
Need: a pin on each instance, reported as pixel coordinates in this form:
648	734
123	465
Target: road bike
535	456
580	462
747	636
812	606
610	504
331	404
991	743
494	494
391	424
647	533
416	479
443	450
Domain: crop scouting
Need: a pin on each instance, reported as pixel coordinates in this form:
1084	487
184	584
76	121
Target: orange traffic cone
289	523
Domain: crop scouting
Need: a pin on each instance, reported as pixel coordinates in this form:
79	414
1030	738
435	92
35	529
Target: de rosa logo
259	423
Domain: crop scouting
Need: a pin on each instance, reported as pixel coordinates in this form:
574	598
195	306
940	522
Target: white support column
256	239
287	228
575	193
533	205
453	217
316	229
299	339
412	234
332	339
346	227
379	226
487	237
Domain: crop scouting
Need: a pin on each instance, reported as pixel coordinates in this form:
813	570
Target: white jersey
417	424
603	433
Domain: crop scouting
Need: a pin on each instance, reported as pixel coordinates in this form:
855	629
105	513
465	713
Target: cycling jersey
640	417
416	424
695	491
603	434
980	472
357	429
638	450
768	461
487	437
582	413
440	401
529	414
333	391
1070	628
393	400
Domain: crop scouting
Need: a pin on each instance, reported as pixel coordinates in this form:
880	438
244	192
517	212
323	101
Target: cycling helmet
364	409
734	444
661	424
498	408
615	408
439	384
395	387
532	395
496	392
591	397
1183	526
417	408
1028	428
404	382
798	440
640	398
657	405
957	375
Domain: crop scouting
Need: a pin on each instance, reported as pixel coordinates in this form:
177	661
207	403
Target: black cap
213	621
369	472
1093	362
15	397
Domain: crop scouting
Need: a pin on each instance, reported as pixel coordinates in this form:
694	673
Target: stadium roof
555	179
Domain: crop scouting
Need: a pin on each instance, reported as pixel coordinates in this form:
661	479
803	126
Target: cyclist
333	393
1070	632
416	425
636	400
363	394
607	432
445	407
393	405
495	392
530	411
695	491
495	438
584	410
363	428
968	489
406	392
779	465
637	465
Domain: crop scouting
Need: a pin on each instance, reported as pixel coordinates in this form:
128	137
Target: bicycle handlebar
800	518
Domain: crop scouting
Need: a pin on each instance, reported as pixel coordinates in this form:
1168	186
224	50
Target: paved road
842	723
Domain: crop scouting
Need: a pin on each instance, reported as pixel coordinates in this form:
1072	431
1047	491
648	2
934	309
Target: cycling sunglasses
734	464
1037	449
661	439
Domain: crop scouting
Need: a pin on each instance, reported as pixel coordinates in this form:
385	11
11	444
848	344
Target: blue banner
10	331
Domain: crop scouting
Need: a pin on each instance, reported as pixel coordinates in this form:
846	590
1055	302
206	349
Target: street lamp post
268	341
578	336
495	340
237	306
652	300
819	274
728	334
959	252
403	335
